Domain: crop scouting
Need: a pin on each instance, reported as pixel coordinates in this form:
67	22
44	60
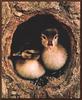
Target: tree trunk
66	85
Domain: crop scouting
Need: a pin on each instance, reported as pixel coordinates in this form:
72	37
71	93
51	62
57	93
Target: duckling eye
43	36
56	36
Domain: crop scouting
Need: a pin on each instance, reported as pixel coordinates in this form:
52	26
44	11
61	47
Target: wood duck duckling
29	67
54	55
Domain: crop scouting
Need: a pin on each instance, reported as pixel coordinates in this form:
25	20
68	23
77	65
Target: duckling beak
50	43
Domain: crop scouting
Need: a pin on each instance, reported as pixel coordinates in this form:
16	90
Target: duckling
54	55
29	67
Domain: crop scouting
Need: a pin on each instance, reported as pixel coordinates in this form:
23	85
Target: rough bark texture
14	13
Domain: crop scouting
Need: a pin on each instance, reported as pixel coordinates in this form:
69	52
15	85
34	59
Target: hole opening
27	36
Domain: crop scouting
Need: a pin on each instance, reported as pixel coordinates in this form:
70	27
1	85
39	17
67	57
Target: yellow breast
54	58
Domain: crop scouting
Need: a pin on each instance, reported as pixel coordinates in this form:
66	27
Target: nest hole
27	36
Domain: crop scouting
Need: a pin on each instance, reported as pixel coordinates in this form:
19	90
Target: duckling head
49	38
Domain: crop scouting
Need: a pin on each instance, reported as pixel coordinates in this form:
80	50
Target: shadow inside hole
27	36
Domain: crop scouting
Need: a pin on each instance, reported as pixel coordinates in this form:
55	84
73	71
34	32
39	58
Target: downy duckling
29	67
54	55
